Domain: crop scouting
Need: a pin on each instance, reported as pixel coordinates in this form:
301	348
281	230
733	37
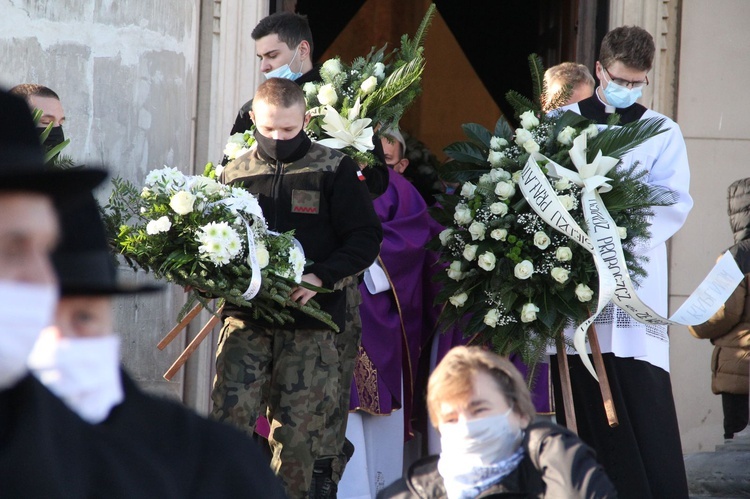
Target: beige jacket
729	331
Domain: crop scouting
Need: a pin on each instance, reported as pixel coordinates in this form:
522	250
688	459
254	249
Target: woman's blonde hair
453	380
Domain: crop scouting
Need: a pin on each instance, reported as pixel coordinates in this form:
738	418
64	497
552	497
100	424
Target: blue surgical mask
621	97
285	71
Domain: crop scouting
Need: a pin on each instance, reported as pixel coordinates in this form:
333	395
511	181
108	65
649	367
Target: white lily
590	176
347	132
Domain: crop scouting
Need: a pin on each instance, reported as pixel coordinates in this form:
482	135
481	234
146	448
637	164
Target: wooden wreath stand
193	346
601	372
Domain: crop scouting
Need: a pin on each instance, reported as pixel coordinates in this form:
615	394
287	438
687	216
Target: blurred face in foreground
278	122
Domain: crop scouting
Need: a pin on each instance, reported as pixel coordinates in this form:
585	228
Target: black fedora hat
83	261
22	165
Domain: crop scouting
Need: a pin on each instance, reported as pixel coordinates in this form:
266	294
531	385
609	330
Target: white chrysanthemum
171	178
297	263
220	243
203	184
240	200
158	226
262	255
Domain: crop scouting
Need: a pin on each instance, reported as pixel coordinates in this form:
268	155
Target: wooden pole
601	372
567	391
193	346
179	327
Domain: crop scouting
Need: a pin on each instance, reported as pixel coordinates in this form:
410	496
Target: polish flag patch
360	176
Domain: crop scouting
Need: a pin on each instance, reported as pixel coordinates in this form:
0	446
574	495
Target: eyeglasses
626	83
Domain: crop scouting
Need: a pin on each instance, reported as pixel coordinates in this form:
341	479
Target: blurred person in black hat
78	359
37	431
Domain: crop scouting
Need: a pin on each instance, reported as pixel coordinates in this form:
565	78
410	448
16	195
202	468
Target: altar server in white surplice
643	455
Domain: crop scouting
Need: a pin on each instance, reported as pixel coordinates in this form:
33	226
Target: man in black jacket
293	370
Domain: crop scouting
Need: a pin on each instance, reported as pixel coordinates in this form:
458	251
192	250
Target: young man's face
52	110
392	154
277	122
273	53
28	234
618	71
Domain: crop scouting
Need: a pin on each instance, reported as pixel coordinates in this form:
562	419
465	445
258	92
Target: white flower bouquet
515	278
352	101
198	233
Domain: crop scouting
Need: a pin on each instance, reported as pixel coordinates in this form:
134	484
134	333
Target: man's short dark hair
291	29
27	90
280	92
631	45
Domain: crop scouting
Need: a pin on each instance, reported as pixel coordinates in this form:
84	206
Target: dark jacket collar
594	109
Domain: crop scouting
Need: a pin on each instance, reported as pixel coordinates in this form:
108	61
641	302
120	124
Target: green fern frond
536	67
397	82
519	102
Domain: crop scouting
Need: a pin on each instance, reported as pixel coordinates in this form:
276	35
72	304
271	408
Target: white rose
622	232
477	230
369	85
327	95
505	190
145	192
458	300
310	89
495	158
559	274
454	271
584	293
528	312
564	254
157	226
499	234
528	120
332	67
565	137
233	150
591	131
531	146
562	184
497	174
470	251
143	209
522	135
516	177
182	202
487	260
485	178
541	240
446	236
492	317
261	253
379	70
499	209
205	184
467	190
523	270
462	214
567	201
497	142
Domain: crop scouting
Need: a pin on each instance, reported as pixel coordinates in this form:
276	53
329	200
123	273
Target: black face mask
55	137
280	150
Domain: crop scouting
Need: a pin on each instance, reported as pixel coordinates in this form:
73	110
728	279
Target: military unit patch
305	201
